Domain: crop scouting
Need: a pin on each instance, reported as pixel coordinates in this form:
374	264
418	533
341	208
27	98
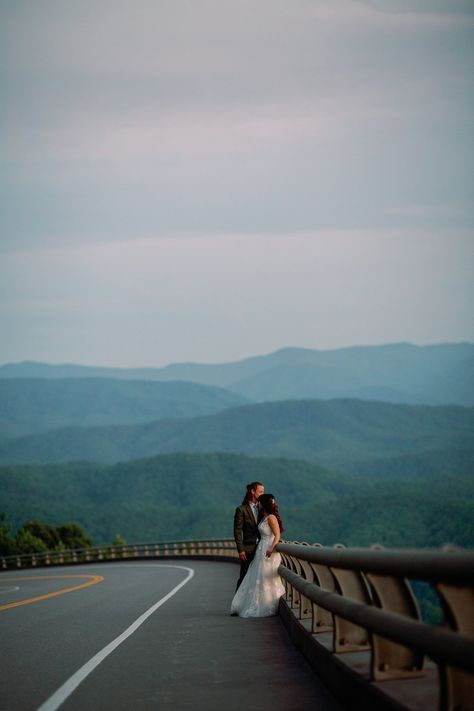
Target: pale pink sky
208	181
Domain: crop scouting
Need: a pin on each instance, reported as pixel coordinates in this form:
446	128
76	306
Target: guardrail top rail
369	589
449	565
221	547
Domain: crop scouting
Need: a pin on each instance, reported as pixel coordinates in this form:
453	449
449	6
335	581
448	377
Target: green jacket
245	529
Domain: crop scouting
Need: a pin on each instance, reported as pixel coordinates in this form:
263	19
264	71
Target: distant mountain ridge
400	372
351	436
33	405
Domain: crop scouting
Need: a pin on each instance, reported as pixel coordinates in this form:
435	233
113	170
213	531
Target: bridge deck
188	654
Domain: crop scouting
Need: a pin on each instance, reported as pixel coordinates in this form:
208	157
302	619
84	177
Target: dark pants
244	566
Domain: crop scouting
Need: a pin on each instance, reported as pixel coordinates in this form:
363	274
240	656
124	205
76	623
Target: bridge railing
357	607
352	612
206	548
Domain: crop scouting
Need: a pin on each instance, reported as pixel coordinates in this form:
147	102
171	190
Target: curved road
144	635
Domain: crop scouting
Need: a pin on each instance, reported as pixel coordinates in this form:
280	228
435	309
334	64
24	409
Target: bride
262	587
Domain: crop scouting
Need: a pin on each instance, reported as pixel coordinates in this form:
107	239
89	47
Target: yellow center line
93	580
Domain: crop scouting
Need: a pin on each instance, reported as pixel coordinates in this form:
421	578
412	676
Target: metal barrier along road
353	613
356	608
209	548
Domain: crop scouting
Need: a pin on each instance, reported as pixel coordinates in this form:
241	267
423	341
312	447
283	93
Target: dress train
259	592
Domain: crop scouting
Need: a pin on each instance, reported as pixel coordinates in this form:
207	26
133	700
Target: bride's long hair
270	507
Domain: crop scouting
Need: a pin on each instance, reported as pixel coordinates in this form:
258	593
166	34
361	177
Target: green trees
34	536
183	496
73	536
7	542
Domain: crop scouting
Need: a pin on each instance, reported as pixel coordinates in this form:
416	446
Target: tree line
35	536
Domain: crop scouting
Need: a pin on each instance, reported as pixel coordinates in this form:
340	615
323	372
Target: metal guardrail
210	547
358	599
361	599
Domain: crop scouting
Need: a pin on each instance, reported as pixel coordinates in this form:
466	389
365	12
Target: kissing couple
257	531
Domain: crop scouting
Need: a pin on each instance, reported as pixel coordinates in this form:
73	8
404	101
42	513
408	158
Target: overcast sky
205	180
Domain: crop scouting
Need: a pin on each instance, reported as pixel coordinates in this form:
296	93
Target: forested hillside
30	405
186	496
120	454
347	435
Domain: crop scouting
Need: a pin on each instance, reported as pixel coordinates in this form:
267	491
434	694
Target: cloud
157	154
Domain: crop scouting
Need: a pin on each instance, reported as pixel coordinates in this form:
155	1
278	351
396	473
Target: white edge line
64	691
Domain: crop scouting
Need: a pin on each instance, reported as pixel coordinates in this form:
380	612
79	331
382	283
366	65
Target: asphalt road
145	635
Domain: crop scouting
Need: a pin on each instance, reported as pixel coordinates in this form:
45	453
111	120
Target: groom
246	527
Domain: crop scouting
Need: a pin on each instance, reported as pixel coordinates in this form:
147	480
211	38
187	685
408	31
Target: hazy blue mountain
36	405
438	374
348	435
441	374
194	495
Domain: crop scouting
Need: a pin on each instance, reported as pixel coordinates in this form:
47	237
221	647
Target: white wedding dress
260	591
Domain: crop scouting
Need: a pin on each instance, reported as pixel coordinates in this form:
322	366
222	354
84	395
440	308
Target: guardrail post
291	592
323	620
285	563
456	686
296	598
293	596
305	610
391	660
348	637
